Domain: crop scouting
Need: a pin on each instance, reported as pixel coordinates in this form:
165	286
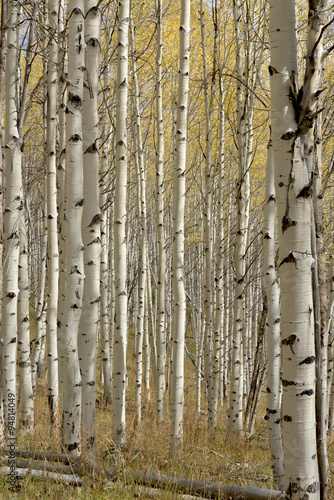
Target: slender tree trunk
12	216
218	325
273	411
235	423
207	235
179	299
161	306
121	296
91	233
40	301
61	163
143	233
52	226
74	265
106	316
3	54
24	360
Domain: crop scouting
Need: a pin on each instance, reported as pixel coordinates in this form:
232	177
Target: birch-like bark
74	265
39	312
143	233
330	335
24	360
179	298
292	114
52	227
121	297
3	54
150	317
316	66
235	423
218	325
106	316
161	306
91	233
273	411
207	297
61	163
12	216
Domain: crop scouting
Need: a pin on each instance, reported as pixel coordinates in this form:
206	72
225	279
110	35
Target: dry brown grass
244	461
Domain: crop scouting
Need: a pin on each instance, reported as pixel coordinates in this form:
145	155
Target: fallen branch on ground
43	475
82	465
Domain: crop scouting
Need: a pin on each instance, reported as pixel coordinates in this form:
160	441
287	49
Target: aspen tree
218	325
12	216
53	257
317	242
61	163
106	317
121	297
207	232
139	159
74	278
24	360
161	306
273	411
91	233
247	82
146	349
235	423
39	312
179	299
292	116
3	53
330	334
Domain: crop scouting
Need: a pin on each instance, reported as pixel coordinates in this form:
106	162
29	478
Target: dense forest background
166	215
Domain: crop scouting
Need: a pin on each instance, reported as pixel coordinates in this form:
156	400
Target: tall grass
242	461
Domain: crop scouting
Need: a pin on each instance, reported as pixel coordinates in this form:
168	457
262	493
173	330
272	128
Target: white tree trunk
294	207
40	301
273	411
106	316
179	298
12	216
235	423
143	233
218	325
91	233
161	306
61	163
74	265
121	322
207	296
24	360
53	257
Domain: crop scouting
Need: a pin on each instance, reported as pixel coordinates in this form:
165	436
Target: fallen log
207	489
69	479
41	465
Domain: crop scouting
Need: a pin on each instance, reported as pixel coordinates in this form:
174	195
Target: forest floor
245	461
